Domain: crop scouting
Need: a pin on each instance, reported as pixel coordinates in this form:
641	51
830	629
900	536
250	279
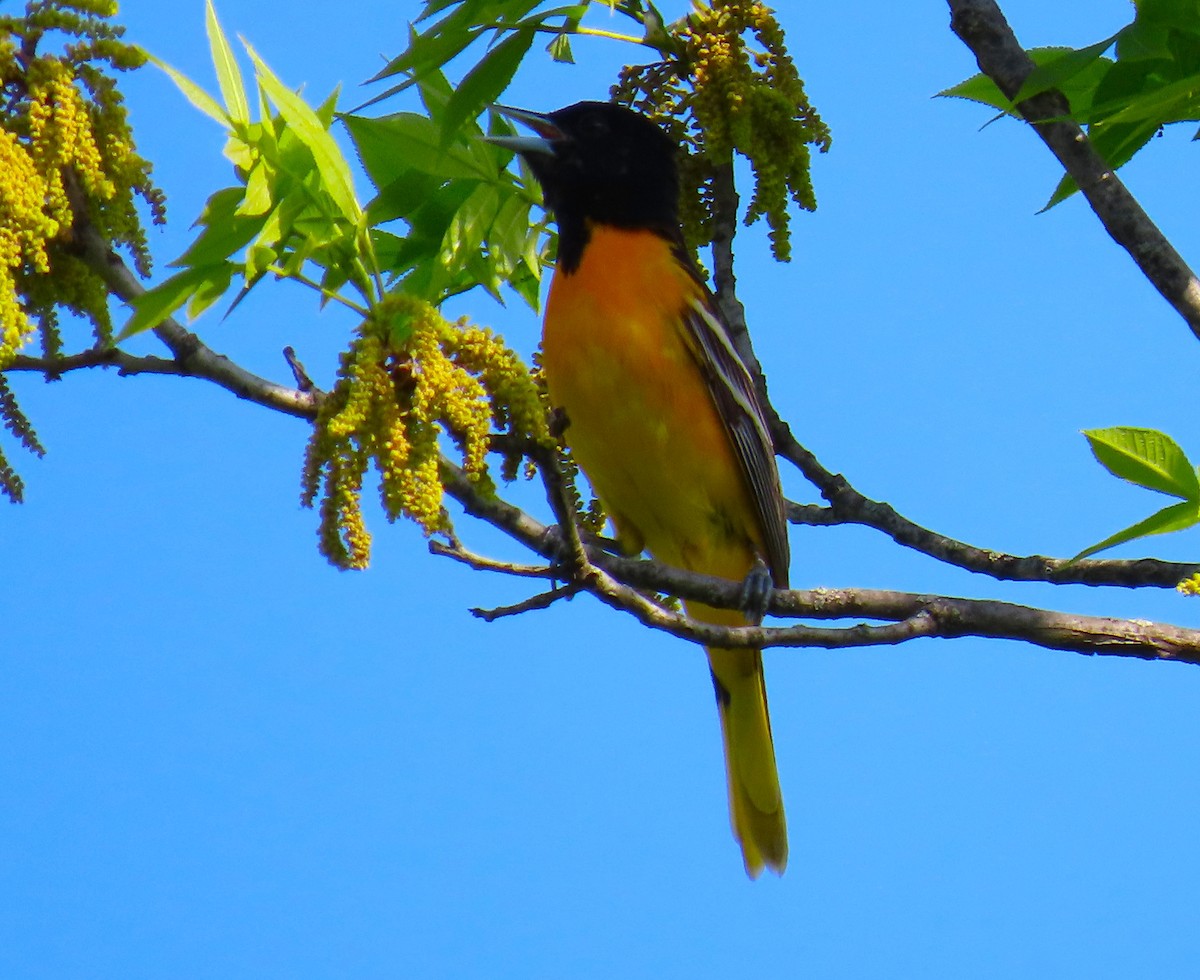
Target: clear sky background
219	757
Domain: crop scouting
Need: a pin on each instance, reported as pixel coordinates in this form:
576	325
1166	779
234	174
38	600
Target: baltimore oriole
661	413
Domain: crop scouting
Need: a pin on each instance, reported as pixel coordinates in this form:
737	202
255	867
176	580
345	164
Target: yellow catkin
1190	585
67	156
719	95
409	381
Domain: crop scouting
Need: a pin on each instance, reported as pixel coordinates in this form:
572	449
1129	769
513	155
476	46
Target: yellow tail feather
755	801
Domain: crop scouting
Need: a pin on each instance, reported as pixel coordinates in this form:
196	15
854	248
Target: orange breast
641	421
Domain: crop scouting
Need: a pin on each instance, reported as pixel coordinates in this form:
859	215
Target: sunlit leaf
228	76
307	127
155	305
1175	517
1055	71
194	93
390	145
1147	458
211	289
484	83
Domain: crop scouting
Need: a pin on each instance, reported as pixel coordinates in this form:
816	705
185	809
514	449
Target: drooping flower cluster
408	378
720	95
66	155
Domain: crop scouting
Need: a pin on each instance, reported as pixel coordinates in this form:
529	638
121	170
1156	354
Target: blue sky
219	757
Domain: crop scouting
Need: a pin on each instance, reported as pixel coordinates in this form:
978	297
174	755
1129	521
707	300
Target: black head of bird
599	162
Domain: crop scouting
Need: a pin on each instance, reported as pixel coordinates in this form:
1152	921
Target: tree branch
621	583
981	26
543	600
848	506
103	357
191	357
852	507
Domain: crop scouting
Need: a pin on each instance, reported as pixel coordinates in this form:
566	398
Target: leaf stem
329	294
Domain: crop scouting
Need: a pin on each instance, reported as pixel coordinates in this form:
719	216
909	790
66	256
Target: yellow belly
641	422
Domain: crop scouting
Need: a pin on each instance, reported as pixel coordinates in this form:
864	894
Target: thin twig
303	381
481	563
102	357
543	600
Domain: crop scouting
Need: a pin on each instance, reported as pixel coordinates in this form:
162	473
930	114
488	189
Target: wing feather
733	390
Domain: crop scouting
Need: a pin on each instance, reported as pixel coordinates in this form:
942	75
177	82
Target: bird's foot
757	589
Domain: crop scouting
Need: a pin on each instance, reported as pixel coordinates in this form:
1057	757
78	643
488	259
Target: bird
659	410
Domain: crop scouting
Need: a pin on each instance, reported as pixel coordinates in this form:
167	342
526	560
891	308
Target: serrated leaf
229	78
1116	144
155	305
433	47
1147	458
401	197
527	285
433	7
1175	517
388	248
1055	71
510	228
978	88
306	125
1077	86
390	145
193	93
484	83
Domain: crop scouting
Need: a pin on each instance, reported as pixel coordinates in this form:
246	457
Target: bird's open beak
547	138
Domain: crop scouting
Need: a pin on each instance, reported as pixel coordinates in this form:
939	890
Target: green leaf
258	190
1075	80
560	49
1173	102
1055	71
401	197
219	241
433	47
306	125
470	224
155	305
211	290
1175	517
978	88
194	93
390	145
327	110
1147	458
228	75
1116	144
388	248
484	83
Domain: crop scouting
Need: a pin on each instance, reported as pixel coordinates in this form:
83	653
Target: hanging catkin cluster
408	378
66	155
719	95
